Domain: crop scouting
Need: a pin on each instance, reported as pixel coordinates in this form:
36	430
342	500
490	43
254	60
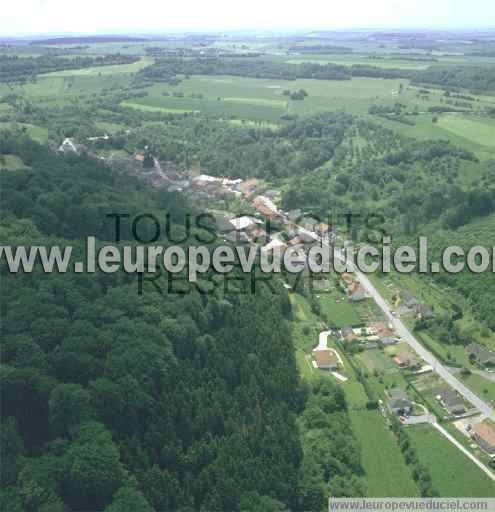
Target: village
363	347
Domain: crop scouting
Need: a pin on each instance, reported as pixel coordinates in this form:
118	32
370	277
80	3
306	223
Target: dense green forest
117	401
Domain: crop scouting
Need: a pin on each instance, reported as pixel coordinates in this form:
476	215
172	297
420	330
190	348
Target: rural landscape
143	394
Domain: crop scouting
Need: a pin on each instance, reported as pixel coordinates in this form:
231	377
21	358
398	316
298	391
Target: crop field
262	99
460	477
386	473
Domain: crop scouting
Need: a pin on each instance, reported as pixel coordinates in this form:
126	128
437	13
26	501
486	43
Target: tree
128	499
69	405
94	469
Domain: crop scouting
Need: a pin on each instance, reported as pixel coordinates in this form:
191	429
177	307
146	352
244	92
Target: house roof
398	398
325	357
450	398
244	222
486	431
482	353
403	358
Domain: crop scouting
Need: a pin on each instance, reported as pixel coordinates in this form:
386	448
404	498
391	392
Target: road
409	338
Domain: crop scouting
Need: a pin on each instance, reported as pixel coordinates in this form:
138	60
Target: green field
386	473
476	129
376	359
116	69
340	314
262	99
458	477
454	127
11	163
37	133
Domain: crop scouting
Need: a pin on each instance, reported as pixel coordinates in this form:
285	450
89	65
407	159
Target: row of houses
376	333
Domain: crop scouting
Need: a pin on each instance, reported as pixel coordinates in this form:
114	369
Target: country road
409	338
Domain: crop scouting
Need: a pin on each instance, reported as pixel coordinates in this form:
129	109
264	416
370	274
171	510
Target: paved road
408	337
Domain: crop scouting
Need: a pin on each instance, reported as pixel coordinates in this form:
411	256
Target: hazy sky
45	16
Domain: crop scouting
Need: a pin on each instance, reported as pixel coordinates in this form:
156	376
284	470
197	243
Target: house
484	434
451	401
356	292
326	359
249	187
405	360
381	329
244	222
399	402
481	355
69	146
423	311
387	341
349	335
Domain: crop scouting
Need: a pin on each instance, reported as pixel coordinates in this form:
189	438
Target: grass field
11	163
37	133
476	129
340	314
386	472
376	359
458	477
262	99
456	128
116	69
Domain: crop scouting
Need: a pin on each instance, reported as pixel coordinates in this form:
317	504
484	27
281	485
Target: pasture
460	477
386	474
263	99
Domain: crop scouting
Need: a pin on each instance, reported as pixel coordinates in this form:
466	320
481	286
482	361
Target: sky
19	17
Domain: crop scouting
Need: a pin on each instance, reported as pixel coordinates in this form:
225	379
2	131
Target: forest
119	402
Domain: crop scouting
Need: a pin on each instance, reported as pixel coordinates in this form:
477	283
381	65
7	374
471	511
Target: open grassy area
376	359
480	130
386	473
262	99
341	313
11	163
453	127
37	133
115	69
452	473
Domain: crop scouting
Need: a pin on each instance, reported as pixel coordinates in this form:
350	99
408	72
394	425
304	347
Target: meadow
263	99
457	478
386	473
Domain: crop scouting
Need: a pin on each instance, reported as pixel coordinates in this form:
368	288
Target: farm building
484	434
481	355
